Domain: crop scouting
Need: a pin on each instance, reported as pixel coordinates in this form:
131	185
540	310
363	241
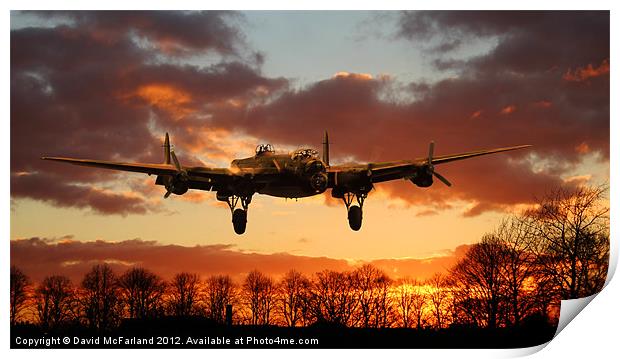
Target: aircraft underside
239	203
288	191
239	195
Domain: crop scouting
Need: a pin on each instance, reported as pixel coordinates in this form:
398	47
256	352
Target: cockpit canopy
264	149
304	153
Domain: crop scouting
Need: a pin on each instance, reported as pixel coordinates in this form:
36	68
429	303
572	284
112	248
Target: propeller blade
177	165
442	179
431	149
167	194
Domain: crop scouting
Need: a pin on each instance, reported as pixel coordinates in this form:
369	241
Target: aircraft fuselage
300	174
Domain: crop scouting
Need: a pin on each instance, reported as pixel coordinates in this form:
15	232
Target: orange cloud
166	97
479	208
543	104
427	212
508	109
579	180
582	74
582	148
476	114
356	76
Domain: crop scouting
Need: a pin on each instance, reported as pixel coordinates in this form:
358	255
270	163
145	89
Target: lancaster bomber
301	173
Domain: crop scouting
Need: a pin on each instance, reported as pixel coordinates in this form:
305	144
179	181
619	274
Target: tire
355	218
239	220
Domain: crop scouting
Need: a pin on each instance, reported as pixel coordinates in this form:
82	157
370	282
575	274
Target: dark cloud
39	257
172	32
50	188
90	89
422	25
528	41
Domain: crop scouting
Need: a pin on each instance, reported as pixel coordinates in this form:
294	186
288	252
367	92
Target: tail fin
326	148
167	150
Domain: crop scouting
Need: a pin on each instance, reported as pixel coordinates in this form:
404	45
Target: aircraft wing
386	171
148	168
159	169
466	155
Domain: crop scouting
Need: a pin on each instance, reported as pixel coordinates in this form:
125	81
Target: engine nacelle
315	166
422	179
177	187
318	182
355	181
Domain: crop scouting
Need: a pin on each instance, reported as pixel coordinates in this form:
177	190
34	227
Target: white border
591	334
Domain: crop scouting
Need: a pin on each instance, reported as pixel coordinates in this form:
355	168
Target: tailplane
167	150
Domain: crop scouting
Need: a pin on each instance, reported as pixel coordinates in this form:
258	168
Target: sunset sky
108	85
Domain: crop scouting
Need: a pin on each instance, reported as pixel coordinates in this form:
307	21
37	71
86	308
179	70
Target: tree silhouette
375	305
100	298
142	292
184	294
54	299
438	295
259	294
595	262
384	303
219	292
410	301
480	275
518	268
573	242
20	284
334	298
293	292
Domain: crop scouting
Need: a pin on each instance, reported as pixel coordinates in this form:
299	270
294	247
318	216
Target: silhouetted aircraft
301	173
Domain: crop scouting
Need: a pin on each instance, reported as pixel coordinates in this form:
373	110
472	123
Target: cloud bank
39	257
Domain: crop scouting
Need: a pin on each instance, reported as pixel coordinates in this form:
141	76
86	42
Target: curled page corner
569	309
613	261
523	352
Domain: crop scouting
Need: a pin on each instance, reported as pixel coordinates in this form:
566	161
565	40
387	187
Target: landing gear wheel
239	220
355	217
239	215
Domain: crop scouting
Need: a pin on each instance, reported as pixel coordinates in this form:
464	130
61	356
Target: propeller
177	165
181	174
431	168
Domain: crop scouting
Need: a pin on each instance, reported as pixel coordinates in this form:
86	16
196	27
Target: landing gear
240	220
239	215
354	212
355	217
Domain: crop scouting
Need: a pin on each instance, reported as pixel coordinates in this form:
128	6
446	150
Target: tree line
518	272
